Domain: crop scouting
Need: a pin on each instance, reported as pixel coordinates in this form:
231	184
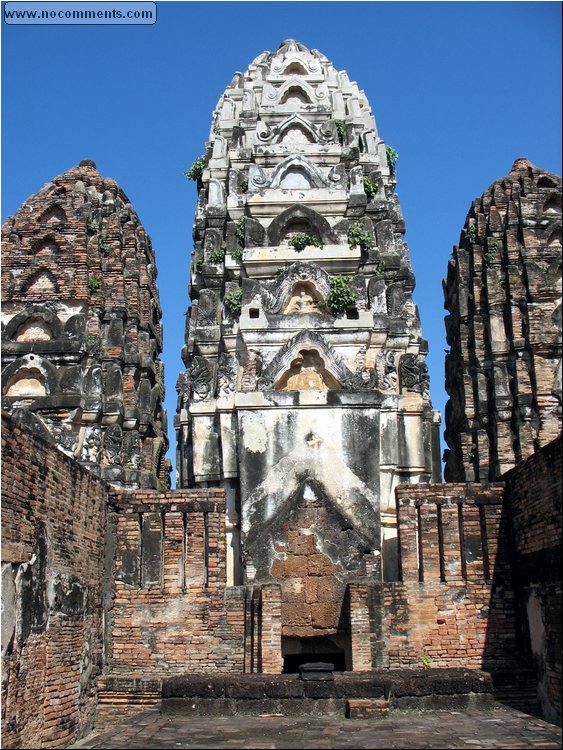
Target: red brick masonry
158	561
53	531
534	493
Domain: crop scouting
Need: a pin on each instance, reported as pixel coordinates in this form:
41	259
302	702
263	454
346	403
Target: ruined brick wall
172	611
53	527
454	603
533	491
81	327
503	295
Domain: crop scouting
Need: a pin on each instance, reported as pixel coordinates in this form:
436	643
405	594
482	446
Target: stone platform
353	694
288	695
498	727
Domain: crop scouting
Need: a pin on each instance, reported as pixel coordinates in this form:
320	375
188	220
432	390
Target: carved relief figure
92	444
111	451
303	299
307	373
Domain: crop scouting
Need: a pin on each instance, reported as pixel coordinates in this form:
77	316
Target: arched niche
30	376
299	218
27	381
553	205
45	246
295	68
52	215
294	227
304	298
295	94
295	178
34	316
33	329
307	372
297	164
40	284
296	134
546	182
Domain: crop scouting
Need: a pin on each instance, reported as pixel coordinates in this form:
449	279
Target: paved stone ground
497	728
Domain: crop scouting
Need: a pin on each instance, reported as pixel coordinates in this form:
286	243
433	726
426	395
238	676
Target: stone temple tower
305	392
81	332
503	296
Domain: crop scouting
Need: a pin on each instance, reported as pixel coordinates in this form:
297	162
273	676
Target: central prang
305	393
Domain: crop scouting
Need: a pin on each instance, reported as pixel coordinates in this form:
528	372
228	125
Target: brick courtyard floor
500	727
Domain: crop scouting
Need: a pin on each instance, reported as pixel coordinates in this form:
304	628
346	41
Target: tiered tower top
303	346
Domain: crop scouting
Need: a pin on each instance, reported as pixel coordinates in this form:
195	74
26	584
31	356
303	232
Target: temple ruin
503	295
81	331
303	345
309	521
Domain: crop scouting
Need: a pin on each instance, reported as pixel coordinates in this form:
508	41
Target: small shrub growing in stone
379	268
472	232
490	252
303	240
233	301
341	130
371	187
341	294
424	660
358	235
241	230
94	282
196	170
392	158
217	256
92	343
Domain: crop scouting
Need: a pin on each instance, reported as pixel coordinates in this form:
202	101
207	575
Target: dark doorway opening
298	651
292	662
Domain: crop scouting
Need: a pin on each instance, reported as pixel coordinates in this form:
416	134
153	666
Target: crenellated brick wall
172	610
454	603
53	529
533	490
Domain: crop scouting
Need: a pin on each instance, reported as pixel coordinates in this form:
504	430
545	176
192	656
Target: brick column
360	636
271	629
173	553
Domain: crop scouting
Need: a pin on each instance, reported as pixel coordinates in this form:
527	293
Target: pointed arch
296	91
47	245
553	204
296	134
308	216
52	214
290	360
307	461
295	95
30	376
294	67
279	295
296	120
40	283
297	163
34	313
304	297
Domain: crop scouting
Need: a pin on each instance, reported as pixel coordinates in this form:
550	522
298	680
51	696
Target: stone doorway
333	649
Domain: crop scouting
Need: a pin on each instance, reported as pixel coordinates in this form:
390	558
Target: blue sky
460	90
